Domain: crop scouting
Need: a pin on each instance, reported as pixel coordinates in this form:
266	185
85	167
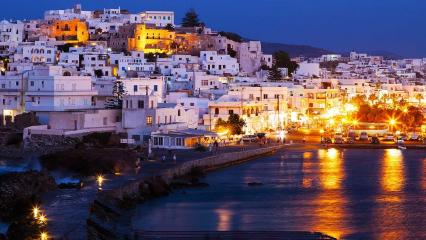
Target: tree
274	74
234	125
231	36
191	19
99	73
372	98
282	60
152	57
118	92
231	52
419	98
169	27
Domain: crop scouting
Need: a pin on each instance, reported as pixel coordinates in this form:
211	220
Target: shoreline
109	220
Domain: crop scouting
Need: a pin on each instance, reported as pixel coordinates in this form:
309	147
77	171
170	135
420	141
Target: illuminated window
149	120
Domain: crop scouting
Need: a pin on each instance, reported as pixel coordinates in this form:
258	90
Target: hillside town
104	110
148	77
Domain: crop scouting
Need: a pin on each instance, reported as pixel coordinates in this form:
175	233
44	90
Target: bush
201	148
101	138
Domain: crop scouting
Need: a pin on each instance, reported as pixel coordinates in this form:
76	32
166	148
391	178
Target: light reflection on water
393	170
349	194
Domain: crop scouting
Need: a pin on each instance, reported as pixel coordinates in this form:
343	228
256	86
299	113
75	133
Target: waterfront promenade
68	209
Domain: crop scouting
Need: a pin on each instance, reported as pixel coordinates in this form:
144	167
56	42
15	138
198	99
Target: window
179	142
231	112
155	88
216	111
204	82
137	138
135	88
265	96
105	121
178	112
149	120
32	83
191	104
141	104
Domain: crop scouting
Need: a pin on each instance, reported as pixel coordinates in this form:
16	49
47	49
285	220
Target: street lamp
392	123
44	236
36	211
100	179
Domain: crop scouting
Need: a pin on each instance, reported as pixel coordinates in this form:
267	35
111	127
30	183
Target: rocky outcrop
91	161
21	189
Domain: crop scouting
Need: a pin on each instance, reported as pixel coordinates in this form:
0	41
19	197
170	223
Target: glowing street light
36	211
392	122
44	236
100	179
42	219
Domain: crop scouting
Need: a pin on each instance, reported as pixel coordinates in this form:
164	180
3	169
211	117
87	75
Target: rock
18	190
158	187
253	184
91	161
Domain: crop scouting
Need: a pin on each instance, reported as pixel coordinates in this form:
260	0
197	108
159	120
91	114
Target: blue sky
397	26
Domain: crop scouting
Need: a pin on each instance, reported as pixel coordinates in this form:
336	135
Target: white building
50	91
11	31
136	62
219	64
142	115
158	18
37	52
308	69
68	14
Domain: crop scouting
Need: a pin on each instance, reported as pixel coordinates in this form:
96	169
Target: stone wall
48	143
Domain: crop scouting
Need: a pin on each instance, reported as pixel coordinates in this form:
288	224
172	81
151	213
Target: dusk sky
396	26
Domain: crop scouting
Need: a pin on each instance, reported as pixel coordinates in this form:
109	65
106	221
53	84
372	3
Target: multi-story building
70	31
158	18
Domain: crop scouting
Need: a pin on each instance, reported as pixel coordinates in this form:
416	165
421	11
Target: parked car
375	140
350	140
363	136
399	140
403	136
389	137
326	140
249	138
415	137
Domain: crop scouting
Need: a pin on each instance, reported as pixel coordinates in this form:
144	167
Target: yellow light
350	107
321	131
100	179
405	110
331	121
392	122
44	236
344	120
42	219
355	122
36	211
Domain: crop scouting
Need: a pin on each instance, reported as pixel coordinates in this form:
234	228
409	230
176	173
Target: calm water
350	194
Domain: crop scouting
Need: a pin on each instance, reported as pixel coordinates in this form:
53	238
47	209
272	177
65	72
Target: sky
397	26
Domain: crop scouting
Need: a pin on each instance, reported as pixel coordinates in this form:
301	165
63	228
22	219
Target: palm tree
372	98
419	98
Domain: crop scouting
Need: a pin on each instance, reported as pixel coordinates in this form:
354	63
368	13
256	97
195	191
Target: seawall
109	216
